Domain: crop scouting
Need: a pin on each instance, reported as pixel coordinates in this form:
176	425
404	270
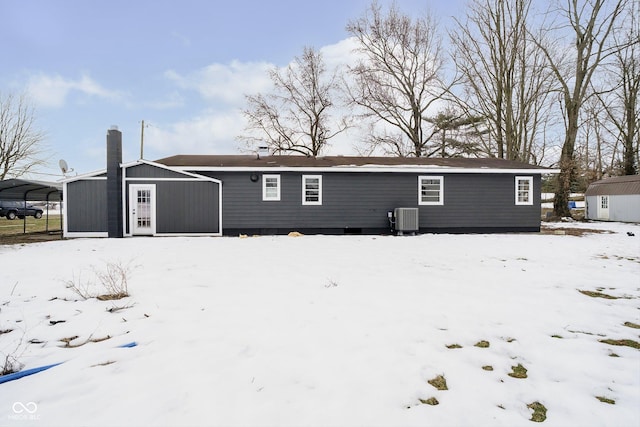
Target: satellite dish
64	167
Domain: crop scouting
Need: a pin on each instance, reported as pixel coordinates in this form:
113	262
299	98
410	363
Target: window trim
265	197
304	190
529	201
440	178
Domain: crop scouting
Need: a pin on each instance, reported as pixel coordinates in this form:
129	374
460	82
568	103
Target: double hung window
524	190
271	187
431	190
311	189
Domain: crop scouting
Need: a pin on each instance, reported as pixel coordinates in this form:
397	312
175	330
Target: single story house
251	194
614	199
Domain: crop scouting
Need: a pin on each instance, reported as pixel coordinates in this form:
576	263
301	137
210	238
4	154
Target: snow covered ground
326	330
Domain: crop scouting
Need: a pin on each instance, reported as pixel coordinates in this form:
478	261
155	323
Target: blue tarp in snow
17	375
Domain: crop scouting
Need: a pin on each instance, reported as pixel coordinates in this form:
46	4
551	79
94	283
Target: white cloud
215	132
226	82
224	86
340	53
53	91
212	132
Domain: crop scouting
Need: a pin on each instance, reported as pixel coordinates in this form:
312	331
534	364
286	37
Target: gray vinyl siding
184	206
482	201
86	206
149	171
362	200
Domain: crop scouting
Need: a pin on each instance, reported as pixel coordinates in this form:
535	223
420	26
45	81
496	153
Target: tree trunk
567	165
629	155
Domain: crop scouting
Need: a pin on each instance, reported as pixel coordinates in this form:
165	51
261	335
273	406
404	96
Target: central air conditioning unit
406	220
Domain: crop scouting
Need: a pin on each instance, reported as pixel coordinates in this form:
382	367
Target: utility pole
142	141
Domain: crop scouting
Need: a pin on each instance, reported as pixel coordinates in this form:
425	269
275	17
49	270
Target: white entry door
142	209
603	207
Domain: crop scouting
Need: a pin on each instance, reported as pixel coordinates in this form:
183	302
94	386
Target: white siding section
622	208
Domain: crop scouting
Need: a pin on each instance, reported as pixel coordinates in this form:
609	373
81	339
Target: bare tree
504	76
590	24
596	147
20	140
398	78
295	117
623	111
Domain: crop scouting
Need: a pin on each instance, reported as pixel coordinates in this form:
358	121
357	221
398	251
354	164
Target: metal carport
33	191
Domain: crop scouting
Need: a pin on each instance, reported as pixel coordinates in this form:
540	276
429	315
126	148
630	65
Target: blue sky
182	66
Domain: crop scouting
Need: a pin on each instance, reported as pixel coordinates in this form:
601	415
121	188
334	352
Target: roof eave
369	168
83	176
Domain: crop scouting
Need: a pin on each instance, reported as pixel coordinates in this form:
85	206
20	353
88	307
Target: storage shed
614	199
251	194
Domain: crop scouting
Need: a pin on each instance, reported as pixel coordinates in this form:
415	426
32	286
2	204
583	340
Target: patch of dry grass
67	341
112	278
595	294
439	382
430	401
606	400
539	412
108	362
625	343
114	296
518	371
12	231
571	231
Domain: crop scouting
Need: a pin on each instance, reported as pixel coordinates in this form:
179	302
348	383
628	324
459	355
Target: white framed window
431	190
311	189
524	190
270	188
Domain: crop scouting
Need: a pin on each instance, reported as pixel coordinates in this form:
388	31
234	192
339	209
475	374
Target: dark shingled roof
236	161
617	185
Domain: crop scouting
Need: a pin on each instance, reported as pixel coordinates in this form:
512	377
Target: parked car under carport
30	191
15	209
